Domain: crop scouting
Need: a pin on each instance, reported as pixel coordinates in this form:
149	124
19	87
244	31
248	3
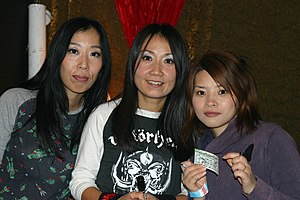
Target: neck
75	103
154	106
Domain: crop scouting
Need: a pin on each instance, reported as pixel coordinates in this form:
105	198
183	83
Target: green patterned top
26	171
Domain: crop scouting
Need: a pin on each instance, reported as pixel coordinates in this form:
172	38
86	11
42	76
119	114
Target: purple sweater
275	164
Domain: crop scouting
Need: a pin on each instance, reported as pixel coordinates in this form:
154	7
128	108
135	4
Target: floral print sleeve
28	172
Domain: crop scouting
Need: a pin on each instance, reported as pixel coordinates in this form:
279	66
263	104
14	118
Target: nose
83	64
211	101
156	69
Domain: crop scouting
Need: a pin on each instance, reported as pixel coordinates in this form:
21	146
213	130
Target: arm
283	163
91	193
82	184
283	167
9	104
5	125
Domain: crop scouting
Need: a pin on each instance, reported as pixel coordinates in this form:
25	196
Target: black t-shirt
151	159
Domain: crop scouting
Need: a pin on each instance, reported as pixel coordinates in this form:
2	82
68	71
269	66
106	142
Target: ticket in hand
209	160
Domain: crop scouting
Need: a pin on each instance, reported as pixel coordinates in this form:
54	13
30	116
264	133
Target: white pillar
39	17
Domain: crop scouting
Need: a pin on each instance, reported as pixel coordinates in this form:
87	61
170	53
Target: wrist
202	192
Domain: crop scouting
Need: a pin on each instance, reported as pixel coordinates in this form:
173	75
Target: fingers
150	197
193	171
186	164
238	163
193	176
234	157
230	156
241	170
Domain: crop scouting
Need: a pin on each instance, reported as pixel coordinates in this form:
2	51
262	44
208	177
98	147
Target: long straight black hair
52	101
173	114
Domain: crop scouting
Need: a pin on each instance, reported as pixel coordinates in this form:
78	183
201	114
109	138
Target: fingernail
183	165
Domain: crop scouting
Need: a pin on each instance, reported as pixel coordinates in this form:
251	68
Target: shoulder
15	97
98	119
10	102
18	94
272	132
107	107
103	111
270	128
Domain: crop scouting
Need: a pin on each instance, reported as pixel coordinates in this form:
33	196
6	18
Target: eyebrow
199	86
152	52
93	46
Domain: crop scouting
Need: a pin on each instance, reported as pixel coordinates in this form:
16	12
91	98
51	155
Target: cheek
138	75
171	77
63	73
141	69
136	78
230	105
174	80
95	70
172	74
234	108
66	67
197	105
67	63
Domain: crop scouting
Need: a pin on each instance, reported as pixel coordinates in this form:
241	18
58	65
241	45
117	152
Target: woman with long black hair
131	147
41	122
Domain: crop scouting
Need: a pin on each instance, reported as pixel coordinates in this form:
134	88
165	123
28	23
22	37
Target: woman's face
82	63
213	105
155	75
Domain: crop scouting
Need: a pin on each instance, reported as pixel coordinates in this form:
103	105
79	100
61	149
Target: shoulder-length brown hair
232	73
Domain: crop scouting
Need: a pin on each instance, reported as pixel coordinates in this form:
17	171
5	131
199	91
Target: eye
169	61
96	54
222	91
72	51
200	92
146	57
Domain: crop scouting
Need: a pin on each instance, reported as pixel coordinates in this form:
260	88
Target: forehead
88	34
156	42
203	77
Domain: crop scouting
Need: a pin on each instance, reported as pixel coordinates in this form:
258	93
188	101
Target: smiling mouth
154	82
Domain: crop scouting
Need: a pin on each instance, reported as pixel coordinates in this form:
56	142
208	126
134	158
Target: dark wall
13	40
268	32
